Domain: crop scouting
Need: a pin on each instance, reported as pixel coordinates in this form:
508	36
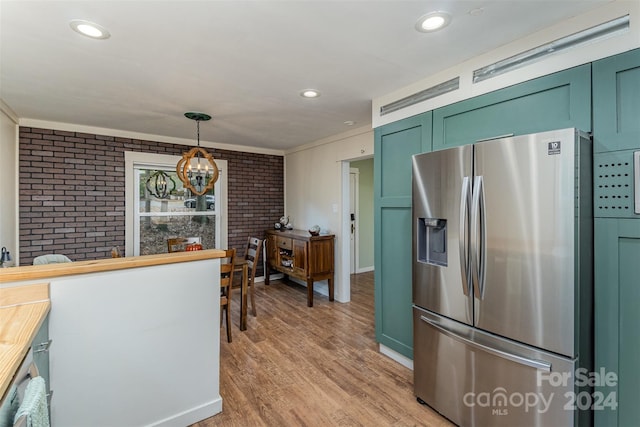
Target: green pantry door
616	128
394	145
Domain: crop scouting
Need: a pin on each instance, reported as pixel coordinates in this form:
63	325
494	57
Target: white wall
8	181
314	192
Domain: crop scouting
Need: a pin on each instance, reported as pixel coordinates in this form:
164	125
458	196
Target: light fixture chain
198	127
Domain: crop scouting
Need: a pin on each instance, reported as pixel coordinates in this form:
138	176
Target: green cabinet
616	102
558	101
617	318
394	145
616	134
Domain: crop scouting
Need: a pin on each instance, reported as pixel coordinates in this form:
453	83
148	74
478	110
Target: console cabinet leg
309	293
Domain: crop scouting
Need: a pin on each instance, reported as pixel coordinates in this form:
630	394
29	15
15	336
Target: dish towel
9	407
34	404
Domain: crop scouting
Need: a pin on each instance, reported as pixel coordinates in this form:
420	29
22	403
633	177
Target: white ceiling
243	62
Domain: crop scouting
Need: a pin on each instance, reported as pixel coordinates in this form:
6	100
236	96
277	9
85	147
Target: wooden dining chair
252	257
226	282
178	244
51	259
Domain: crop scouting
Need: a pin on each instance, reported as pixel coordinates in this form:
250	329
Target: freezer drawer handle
537	364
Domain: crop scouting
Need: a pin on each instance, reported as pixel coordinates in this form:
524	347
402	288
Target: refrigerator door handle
465	203
482	266
532	363
478	243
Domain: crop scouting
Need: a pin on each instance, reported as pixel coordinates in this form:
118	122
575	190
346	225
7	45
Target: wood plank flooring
320	366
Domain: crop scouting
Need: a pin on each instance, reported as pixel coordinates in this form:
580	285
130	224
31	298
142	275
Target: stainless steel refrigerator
502	280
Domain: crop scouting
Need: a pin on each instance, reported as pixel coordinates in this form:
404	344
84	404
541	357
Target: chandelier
158	184
196	169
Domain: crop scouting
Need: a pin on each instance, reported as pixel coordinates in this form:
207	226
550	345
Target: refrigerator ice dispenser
432	241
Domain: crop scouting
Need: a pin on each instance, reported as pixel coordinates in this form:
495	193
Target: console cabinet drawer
284	243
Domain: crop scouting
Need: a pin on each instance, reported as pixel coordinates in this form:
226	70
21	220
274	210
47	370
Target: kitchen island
135	341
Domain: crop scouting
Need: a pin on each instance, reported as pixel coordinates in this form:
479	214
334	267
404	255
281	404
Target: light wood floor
300	366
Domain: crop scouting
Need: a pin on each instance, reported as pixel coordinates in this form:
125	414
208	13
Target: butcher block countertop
22	311
37	272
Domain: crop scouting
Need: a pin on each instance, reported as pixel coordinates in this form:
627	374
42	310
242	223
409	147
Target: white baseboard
365	269
193	415
392	354
271	277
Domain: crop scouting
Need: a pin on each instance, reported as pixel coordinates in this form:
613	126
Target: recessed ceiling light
349	123
433	21
89	29
309	93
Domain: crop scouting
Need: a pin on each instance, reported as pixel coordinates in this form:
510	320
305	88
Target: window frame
135	160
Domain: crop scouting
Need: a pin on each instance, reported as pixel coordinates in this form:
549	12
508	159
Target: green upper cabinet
558	101
616	102
394	145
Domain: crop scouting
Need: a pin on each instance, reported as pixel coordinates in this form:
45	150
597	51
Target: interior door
525	190
353	207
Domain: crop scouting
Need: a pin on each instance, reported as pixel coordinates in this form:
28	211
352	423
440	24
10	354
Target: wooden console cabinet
296	253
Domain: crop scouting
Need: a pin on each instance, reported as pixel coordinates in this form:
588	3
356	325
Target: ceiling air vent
590	35
423	95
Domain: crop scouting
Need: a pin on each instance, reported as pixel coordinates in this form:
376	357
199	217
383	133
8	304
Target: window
151	220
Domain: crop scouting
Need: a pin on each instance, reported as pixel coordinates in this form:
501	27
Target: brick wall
72	192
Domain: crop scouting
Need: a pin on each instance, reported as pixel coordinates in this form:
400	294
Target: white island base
134	346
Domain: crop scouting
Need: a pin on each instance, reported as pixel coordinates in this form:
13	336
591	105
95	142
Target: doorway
354	217
357	251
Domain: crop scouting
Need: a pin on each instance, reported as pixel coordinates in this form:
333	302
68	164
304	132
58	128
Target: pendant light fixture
158	184
196	169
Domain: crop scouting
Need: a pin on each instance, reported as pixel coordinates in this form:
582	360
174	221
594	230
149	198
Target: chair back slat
253	251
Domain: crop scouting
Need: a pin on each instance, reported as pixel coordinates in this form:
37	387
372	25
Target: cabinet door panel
299	256
616	102
394	146
394	321
617	343
322	260
558	101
